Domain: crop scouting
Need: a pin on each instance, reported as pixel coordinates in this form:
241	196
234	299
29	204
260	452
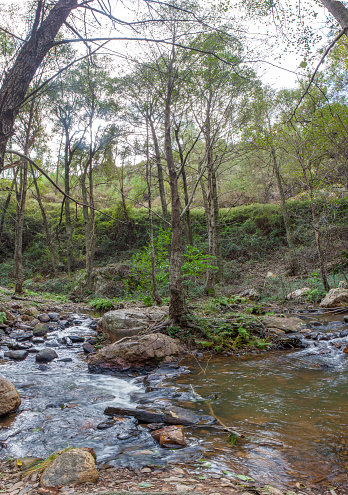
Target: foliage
194	266
101	304
2	317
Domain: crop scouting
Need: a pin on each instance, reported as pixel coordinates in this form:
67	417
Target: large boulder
72	467
143	352
279	325
122	323
335	298
298	293
9	397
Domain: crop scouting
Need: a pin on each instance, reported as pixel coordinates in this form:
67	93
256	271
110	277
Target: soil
178	481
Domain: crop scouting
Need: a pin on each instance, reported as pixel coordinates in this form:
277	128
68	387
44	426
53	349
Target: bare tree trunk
45	222
159	172
19	233
218	251
68	227
177	306
316	228
189	235
7	204
282	198
155	293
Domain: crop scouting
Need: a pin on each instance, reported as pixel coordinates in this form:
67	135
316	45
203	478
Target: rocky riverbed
64	405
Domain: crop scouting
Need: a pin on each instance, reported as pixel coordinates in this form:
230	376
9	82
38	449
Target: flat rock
16	355
9	397
40	330
335	298
178	416
144	352
73	467
142	415
287	325
298	293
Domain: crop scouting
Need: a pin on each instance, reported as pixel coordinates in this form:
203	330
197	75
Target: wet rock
344	333
34	322
93	340
345	350
21	335
64	324
18	346
287	325
65	360
53	316
127	322
170	436
73	467
136	353
178	416
292	343
335	298
105	425
89	348
16	355
52	343
141	415
93	325
37	340
43	367
46	355
298	293
40	330
9	397
44	318
76	338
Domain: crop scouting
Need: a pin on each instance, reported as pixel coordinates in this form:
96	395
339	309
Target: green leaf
303	64
145	485
244	478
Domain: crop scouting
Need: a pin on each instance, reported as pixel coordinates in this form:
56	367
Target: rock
89	348
76	338
178	416
34	322
44	318
273	491
72	467
31	311
38	340
335	298
46	355
343	285
26	317
40	330
127	322
141	415
298	293
53	316
345	350
16	355
169	436
9	397
287	325
52	343
135	353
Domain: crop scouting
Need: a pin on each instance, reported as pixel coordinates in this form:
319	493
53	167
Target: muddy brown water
291	406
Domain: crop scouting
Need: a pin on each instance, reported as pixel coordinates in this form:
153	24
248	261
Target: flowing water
291	406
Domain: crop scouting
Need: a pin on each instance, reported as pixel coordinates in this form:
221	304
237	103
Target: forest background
145	158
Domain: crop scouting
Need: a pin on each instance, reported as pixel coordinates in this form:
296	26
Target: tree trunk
7	204
68	227
316	230
20	225
282	198
189	235
45	222
155	293
159	173
18	78
177	306
218	251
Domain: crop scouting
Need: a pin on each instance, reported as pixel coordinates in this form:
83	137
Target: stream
291	406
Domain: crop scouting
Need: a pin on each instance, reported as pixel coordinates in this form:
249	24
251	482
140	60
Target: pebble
274	491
